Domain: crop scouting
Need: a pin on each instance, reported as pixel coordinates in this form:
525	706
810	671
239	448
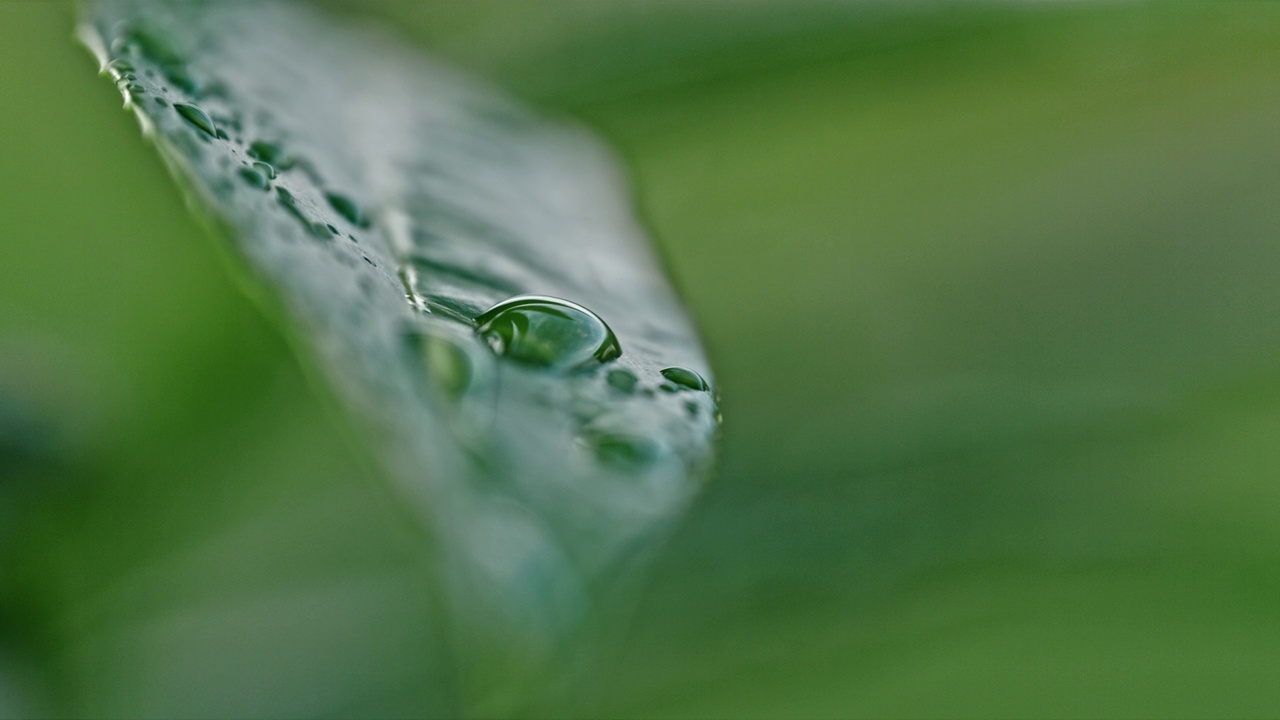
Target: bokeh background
990	288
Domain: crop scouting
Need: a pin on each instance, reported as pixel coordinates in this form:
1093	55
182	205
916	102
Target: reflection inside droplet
547	332
681	378
196	117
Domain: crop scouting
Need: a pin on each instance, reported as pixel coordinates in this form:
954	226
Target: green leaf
470	280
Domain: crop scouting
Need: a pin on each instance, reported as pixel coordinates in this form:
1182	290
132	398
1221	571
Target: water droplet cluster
258	163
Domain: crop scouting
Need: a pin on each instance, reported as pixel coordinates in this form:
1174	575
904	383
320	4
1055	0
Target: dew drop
682	379
547	332
254	178
621	451
347	208
267	152
265	169
197	117
623	380
290	204
446	362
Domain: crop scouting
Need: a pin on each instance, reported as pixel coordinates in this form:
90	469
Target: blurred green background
991	294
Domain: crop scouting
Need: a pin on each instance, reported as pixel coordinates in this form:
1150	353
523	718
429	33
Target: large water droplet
682	379
197	117
547	332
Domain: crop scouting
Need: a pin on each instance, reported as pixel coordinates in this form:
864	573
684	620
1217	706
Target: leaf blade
387	202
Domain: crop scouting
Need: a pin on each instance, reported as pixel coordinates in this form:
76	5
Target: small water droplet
290	204
254	178
161	101
222	134
447	364
196	117
623	380
547	332
620	451
137	89
265	169
266	152
691	407
682	379
347	208
332	230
